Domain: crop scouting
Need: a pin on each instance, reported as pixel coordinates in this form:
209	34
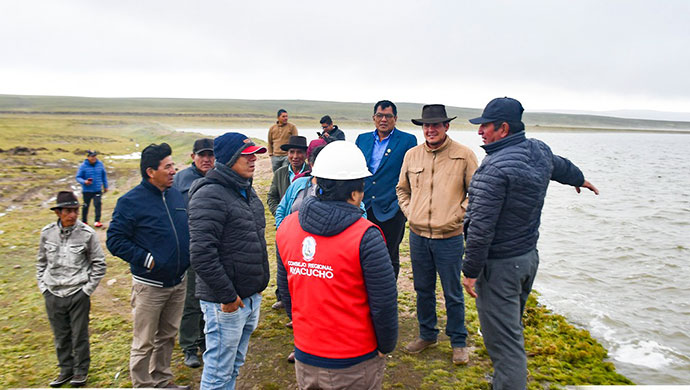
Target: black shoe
61	380
78	380
191	359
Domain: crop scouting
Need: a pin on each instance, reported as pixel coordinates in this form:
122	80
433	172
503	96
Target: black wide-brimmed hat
66	199
296	142
433	113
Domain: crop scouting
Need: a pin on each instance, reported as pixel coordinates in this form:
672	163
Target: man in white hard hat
336	279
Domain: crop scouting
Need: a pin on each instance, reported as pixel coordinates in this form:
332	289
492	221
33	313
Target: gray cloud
580	55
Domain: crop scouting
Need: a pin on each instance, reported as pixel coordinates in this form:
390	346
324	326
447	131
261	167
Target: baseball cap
505	108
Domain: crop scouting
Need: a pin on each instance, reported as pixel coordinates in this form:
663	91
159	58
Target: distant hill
300	110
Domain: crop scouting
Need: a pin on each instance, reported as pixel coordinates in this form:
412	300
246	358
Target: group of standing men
332	262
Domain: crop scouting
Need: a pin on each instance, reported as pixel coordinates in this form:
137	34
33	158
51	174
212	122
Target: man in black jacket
192	324
501	225
228	254
149	230
330	132
336	279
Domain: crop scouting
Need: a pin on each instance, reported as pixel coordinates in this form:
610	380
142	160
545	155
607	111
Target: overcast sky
577	55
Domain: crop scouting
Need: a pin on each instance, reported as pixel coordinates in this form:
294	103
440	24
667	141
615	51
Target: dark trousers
393	230
443	256
192	324
96	196
502	291
69	318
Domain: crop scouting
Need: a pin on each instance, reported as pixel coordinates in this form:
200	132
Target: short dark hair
315	152
282	110
385	104
338	190
152	156
513	127
326	119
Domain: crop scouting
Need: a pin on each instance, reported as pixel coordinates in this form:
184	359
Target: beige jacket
432	189
279	135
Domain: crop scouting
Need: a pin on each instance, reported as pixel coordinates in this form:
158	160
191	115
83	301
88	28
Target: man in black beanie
228	254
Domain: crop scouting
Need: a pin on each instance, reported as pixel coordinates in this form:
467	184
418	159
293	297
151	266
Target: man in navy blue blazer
384	149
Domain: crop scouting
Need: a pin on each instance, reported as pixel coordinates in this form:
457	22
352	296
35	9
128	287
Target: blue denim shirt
378	151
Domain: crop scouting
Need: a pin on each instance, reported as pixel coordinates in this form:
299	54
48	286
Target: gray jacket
69	260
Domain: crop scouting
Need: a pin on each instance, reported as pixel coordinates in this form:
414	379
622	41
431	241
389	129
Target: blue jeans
227	340
444	256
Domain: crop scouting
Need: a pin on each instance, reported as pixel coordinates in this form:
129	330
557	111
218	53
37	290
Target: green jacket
280	183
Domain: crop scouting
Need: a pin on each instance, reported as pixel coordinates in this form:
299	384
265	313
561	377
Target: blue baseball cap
501	109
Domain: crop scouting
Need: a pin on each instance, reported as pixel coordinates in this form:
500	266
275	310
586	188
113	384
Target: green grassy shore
40	155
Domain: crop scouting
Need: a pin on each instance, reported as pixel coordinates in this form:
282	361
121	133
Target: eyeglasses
380	116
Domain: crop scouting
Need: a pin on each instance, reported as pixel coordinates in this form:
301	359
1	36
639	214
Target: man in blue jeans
432	192
228	254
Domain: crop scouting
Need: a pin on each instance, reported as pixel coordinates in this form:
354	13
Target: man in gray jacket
192	324
70	265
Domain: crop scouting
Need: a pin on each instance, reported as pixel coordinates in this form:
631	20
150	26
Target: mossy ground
559	354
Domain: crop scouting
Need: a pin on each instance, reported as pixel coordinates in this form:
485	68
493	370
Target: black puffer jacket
330	218
506	196
227	243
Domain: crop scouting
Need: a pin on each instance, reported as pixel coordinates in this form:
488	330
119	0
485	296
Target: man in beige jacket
279	134
432	193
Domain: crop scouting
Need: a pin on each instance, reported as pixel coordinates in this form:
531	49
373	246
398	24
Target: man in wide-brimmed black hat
296	149
432	192
70	265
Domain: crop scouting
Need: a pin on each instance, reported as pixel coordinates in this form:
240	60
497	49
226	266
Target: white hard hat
340	160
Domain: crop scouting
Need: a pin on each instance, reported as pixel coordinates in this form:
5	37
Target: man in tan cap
432	193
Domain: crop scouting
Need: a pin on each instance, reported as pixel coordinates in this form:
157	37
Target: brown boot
419	345
461	355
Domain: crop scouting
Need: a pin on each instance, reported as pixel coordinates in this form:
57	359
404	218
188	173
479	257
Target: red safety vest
330	307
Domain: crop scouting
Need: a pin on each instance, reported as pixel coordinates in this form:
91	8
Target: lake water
615	264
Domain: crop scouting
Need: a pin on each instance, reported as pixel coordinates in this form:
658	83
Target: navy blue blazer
379	189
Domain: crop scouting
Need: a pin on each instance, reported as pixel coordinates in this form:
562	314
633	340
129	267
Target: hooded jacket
228	247
326	218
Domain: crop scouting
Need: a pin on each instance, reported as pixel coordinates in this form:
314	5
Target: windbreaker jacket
69	260
433	185
228	244
506	198
149	231
95	172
